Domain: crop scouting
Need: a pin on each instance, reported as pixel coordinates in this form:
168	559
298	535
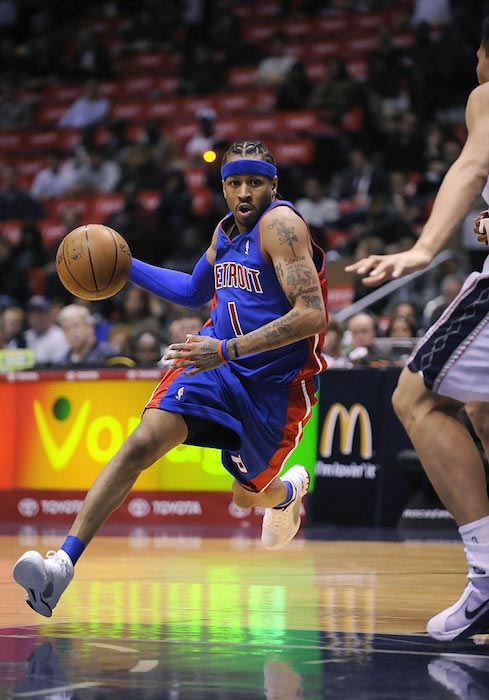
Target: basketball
93	262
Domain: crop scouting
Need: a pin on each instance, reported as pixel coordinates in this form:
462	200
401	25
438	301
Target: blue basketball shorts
256	425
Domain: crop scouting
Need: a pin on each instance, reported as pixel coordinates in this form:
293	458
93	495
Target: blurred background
115	112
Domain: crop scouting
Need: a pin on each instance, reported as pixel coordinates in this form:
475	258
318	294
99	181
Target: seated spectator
53	180
117	140
451	149
135	309
400	338
387	70
403	143
164	149
204	139
28	250
78	326
43	336
431	179
317	208
381	220
364	350
333	341
401	327
14	326
90	59
9	17
140	169
73	172
149	25
202	68
15	201
294	91
410	311
88	109
449	288
224	32
100	174
119	338
173	211
14	280
190	248
404	199
337	92
146	347
433	12
363	177
273	69
133	218
15	112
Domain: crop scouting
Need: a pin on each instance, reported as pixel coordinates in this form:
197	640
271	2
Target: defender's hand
380	268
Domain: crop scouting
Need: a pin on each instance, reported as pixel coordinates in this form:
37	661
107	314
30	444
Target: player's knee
408	397
140	450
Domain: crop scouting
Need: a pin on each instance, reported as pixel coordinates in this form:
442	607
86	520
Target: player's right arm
458	192
192	291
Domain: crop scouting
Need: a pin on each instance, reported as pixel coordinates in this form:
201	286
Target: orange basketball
93	262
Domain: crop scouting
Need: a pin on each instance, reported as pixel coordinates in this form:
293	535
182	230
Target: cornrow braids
248	148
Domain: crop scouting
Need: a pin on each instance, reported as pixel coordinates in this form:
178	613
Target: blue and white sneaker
43	579
468	616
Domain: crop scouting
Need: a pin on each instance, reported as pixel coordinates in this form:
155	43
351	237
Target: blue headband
247	166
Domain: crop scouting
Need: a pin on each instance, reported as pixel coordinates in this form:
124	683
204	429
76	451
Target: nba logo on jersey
180	393
247	247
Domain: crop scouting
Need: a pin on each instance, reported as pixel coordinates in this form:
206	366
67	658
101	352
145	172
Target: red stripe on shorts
301	401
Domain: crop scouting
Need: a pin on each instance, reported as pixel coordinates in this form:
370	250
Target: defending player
449	367
245	384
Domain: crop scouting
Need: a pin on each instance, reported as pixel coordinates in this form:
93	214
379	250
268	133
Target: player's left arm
286	243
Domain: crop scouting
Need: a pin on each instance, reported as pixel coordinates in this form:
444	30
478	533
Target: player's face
482	66
247	197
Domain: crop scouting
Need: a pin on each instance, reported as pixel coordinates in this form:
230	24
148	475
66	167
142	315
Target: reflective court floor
167	615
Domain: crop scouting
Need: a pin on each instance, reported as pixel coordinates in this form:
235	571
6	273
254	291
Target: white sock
475	537
477	531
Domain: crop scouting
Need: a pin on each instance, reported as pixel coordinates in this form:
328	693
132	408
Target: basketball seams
69	272
93	262
87	246
116	258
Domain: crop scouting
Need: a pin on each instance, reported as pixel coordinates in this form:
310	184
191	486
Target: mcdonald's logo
348	421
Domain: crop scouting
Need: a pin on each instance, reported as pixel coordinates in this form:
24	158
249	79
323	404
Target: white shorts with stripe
453	356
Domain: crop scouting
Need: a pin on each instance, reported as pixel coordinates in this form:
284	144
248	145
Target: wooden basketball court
183	616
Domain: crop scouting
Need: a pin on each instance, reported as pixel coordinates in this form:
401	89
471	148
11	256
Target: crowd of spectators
365	190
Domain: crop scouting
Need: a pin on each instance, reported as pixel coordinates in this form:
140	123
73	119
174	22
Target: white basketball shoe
468	616
280	525
43	579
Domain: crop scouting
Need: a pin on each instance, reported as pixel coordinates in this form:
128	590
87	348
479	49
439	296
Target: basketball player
449	367
246	384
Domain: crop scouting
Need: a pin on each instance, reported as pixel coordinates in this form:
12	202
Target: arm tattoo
235	348
281	328
313	301
208	354
286	234
279	271
300	282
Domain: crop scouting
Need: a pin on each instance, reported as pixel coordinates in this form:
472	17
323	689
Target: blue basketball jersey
248	295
